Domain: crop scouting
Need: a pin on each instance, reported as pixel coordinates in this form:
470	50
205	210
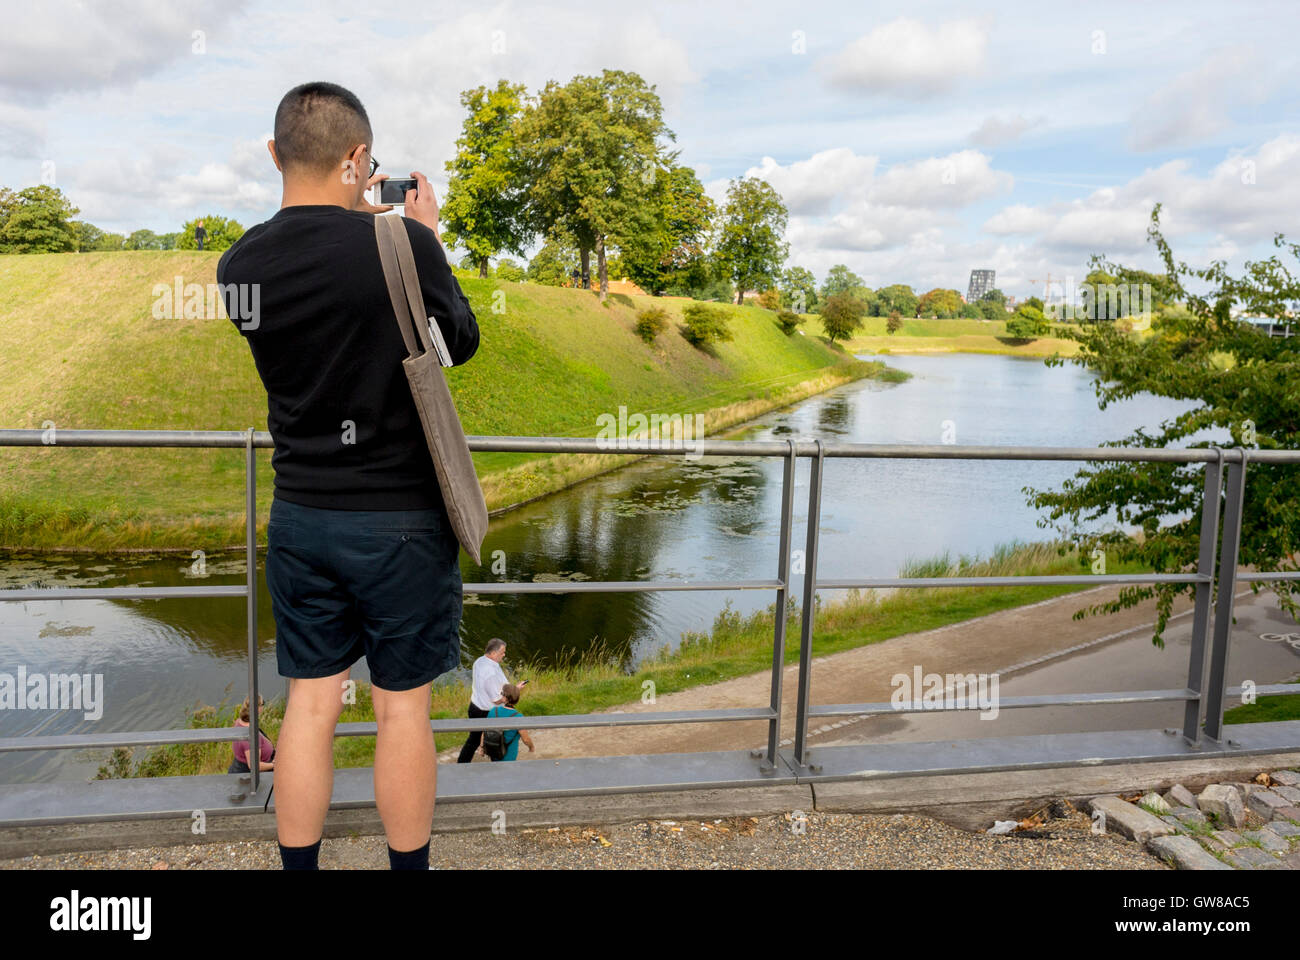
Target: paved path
1037	648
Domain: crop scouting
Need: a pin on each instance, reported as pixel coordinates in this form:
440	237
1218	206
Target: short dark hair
493	645
317	124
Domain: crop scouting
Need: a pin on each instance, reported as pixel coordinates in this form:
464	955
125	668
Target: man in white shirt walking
489	678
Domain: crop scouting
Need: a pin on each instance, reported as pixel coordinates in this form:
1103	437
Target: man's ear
270	145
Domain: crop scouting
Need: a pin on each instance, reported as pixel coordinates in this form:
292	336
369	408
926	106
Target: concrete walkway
996	643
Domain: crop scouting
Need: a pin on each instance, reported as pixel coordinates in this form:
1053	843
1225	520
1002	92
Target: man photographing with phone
362	559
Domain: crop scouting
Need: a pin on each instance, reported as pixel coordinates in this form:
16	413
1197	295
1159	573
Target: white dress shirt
489	678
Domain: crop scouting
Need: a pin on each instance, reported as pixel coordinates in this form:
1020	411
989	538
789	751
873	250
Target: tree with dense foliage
554	263
939	302
1027	323
894	323
36	220
143	240
898	297
1241	384
671	249
798	289
842	313
510	271
222	233
589	149
840	279
485	208
789	321
751	243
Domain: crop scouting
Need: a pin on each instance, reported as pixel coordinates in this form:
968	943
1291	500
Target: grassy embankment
736	646
79	348
945	336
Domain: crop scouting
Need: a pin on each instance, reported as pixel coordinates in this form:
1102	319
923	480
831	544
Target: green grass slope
959	335
81	349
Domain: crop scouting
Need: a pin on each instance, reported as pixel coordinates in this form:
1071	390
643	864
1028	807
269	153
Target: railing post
1204	597
1227	587
250	557
778	634
809	600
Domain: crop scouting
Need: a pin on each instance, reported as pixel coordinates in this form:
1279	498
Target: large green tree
221	233
589	150
798	289
554	263
671	249
898	297
1240	382
751	244
485	211
36	220
842	313
942	303
840	279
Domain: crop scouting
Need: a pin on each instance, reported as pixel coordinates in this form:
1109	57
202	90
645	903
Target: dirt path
995	643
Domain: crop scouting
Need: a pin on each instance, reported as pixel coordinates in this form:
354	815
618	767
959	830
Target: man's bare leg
406	766
304	758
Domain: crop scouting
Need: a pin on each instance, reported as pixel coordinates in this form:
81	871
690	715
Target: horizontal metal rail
736	448
1199	696
1100	579
970	702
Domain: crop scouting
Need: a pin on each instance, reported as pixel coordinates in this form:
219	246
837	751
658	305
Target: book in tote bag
426	356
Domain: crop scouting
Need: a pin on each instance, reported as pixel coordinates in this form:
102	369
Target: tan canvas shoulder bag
426	356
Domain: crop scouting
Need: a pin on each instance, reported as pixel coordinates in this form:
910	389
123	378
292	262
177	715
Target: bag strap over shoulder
396	292
398	261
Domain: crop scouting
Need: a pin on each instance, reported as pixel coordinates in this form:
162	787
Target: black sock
417	859
300	858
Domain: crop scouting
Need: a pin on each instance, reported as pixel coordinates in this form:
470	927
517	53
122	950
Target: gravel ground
828	841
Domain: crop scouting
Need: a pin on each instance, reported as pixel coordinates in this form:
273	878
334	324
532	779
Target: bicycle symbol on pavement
1292	640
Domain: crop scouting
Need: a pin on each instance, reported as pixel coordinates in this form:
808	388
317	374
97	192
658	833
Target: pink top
241	747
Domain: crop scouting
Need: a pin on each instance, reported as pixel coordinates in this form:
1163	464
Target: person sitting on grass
510	695
240	747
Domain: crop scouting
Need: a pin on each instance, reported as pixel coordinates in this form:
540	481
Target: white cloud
908	58
56	46
995	131
21	132
1197	104
1244	198
812	187
956	180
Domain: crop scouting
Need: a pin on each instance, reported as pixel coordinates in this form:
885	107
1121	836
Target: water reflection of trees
613	530
616	528
835	415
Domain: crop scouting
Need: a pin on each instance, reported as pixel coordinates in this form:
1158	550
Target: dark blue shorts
383	584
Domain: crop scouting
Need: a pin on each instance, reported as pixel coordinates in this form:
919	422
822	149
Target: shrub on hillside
705	324
770	299
509	270
789	321
895	322
650	323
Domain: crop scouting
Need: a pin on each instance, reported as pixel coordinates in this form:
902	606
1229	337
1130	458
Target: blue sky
912	141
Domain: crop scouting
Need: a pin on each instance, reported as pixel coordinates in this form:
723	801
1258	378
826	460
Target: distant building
981	282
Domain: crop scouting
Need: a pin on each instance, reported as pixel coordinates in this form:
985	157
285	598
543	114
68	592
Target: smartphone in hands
393	190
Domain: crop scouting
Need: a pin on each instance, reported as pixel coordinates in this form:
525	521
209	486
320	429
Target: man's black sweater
329	352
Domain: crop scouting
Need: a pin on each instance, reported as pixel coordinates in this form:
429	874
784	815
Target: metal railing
1204	695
